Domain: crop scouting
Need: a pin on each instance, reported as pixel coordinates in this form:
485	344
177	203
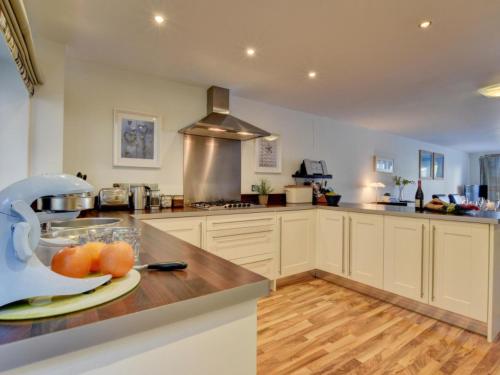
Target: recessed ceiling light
159	19
250	51
311	74
425	24
492	91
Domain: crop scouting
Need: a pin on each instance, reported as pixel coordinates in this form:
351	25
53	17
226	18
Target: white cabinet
331	241
296	241
459	268
189	229
366	249
406	255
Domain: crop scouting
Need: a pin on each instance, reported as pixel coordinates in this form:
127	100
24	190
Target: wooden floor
315	327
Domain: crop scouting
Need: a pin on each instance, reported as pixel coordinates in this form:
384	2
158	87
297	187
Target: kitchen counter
485	217
209	284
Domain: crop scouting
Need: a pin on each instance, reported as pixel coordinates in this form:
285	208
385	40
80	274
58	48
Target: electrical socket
255	187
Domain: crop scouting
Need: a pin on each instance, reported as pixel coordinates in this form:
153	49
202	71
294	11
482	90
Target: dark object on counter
163	266
419	198
178	201
333	200
474	192
399	204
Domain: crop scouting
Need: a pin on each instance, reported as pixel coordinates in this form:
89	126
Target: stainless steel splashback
212	169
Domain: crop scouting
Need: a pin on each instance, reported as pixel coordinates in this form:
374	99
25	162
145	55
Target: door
406	248
366	249
296	241
187	228
331	241
459	268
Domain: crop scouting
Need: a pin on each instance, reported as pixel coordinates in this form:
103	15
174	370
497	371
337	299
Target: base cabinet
191	230
366	249
459	268
406	256
331	242
296	241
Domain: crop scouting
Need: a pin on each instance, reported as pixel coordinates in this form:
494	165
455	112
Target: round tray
68	304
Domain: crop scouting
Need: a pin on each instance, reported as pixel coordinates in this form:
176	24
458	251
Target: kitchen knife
162	266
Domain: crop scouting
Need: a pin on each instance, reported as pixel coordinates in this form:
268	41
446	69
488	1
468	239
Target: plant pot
263	199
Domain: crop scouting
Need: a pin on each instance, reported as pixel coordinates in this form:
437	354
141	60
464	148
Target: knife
163	266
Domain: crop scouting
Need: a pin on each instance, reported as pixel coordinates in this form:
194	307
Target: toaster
115	198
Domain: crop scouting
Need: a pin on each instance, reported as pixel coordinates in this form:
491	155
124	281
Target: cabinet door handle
422	263
433	251
343	244
281	247
201	235
350	247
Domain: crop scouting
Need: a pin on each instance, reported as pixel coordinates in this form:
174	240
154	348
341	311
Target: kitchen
90	79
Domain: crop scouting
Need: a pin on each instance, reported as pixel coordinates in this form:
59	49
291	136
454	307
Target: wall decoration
268	154
383	165
425	164
136	139
438	169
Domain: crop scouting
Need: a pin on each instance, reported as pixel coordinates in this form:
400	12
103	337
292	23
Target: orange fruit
72	262
117	259
94	249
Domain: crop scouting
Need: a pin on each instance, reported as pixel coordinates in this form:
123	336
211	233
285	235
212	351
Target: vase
263	198
401	188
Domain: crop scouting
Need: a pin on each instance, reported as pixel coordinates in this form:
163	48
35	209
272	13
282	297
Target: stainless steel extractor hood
219	123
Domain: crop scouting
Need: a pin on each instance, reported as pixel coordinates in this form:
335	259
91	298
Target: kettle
140	195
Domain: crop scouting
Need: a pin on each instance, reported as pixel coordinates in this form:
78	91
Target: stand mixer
22	274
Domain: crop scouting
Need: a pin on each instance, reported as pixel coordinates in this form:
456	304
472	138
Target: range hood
219	123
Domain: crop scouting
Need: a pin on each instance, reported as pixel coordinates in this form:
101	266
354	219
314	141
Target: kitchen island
200	321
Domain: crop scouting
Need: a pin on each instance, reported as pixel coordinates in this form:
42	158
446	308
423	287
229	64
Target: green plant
400	181
264	187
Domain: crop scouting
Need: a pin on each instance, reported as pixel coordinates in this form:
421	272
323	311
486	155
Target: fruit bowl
333	200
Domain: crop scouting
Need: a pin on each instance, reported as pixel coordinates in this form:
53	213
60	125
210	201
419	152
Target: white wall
14	125
47	110
92	91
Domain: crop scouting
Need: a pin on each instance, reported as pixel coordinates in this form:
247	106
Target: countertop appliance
299	193
139	197
113	198
224	205
22	274
219	123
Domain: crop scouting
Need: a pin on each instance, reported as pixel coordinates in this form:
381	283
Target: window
490	174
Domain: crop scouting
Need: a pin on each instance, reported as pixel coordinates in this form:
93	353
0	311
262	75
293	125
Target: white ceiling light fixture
492	91
250	51
311	74
425	24
159	19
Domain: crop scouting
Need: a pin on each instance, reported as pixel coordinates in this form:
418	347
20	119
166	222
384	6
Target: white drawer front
221	222
263	265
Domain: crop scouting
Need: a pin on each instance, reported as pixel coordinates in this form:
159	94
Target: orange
117	259
71	262
94	249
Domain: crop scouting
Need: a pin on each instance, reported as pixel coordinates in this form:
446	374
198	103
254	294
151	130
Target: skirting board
407	303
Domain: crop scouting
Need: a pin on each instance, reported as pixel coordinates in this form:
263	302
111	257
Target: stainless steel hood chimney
219	123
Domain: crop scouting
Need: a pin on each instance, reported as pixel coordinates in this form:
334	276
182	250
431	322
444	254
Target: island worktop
208	284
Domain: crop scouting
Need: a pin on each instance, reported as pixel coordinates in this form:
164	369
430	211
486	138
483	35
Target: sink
90	222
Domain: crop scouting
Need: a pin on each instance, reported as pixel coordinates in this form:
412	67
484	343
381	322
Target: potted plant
401	183
264	188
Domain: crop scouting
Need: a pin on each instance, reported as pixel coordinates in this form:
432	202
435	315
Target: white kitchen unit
249	240
297	241
189	229
332	241
365	260
459	268
406	257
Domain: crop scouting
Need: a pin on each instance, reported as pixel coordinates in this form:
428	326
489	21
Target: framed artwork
438	169
136	139
268	154
383	165
425	164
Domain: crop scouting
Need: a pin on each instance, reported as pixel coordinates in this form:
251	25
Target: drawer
262	265
234	244
221	222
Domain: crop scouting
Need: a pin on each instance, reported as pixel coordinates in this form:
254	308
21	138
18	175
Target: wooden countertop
205	276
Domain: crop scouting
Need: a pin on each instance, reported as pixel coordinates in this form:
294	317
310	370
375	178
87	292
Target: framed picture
136	139
268	154
425	164
383	165
438	170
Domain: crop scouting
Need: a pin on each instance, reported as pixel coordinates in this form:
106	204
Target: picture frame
136	139
425	165
383	165
438	166
268	157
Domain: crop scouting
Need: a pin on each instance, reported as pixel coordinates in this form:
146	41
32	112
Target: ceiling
375	67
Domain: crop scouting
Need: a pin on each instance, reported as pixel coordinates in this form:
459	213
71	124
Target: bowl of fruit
332	198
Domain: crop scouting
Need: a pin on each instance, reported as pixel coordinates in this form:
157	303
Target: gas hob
224	205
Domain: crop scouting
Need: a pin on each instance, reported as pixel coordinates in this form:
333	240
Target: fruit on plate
331	193
71	261
117	259
94	249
